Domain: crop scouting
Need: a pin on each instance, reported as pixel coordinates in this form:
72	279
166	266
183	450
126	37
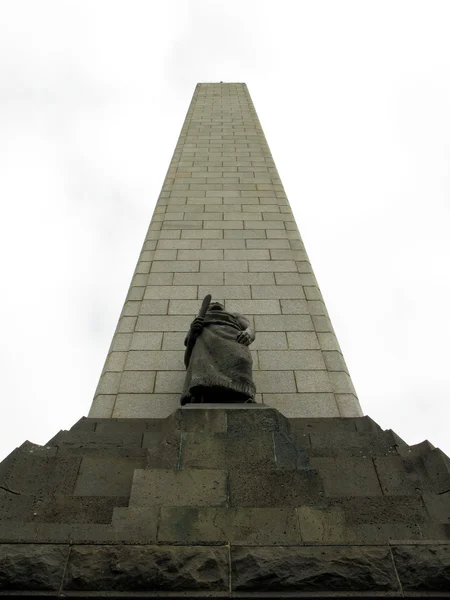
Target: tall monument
225	453
223	225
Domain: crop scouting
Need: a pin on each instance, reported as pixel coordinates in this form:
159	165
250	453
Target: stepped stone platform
225	501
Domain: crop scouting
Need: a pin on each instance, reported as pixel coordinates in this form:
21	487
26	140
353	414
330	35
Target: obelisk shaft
223	225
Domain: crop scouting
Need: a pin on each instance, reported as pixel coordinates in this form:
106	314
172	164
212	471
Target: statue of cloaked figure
217	358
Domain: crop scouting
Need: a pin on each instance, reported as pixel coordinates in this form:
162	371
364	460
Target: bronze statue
217	359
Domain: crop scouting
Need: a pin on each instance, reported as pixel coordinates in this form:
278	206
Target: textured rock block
228	452
192	487
313	569
423	568
348	476
274	488
235	525
32	567
142	568
110	476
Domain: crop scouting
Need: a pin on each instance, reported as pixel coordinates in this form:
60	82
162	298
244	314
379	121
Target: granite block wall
223	225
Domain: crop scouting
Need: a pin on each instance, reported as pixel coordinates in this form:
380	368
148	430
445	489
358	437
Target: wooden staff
192	338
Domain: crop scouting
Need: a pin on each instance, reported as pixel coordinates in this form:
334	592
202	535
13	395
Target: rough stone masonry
223	225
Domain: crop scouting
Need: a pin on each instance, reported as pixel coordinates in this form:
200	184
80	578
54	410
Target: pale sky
354	100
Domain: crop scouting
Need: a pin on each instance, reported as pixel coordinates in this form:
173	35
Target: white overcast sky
354	98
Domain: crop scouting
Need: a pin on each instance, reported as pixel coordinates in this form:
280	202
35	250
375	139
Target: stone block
224	225
303	405
306	360
200	254
253	420
174	568
260	526
396	476
223	244
319	525
246	279
106	476
347	476
220	451
222	266
247	254
348	405
153	307
175	266
179	244
334	361
423	568
274	382
120	341
341	382
313	569
163	450
146	340
176	291
131	308
69	510
313	382
32	567
246	234
115	361
272	266
164	323
253	307
165	255
159	279
231	292
135	525
18	532
303	340
283	323
108	384
33	475
102	406
141	406
269	244
137	382
191	487
169	382
275	340
154	360
202	234
322	324
295	279
277	488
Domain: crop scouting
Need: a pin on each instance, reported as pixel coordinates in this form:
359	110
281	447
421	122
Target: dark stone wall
225	501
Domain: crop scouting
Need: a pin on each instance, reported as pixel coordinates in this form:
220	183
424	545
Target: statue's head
215	306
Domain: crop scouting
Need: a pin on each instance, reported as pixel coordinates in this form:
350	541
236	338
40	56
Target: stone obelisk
295	496
223	225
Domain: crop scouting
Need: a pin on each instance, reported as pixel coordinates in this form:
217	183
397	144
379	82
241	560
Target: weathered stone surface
37	567
290	451
40	475
348	476
313	569
81	509
165	487
257	526
106	476
147	568
222	451
163	450
274	488
255	422
423	567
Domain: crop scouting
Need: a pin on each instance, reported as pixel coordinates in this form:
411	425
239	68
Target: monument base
225	501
